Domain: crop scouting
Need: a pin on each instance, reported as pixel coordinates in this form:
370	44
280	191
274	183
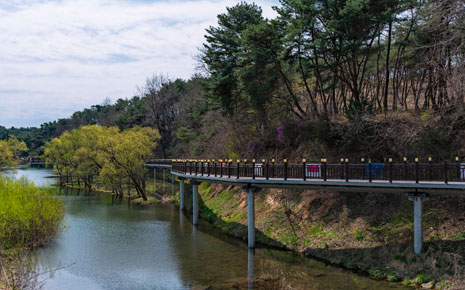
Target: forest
330	78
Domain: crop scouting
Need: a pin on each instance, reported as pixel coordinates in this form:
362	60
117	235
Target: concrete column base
164	178
417	199
250	268
172	183
181	193
195	202
250	190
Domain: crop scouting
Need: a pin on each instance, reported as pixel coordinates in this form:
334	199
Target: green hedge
29	216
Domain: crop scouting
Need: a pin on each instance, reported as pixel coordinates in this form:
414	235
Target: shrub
393	277
357	109
421	278
377	273
426	116
29	216
359	234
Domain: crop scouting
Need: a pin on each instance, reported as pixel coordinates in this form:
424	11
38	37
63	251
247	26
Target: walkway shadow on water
235	229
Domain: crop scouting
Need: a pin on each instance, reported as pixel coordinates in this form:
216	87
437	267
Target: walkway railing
344	170
428	173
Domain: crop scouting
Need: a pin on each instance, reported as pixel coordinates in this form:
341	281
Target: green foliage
221	53
393	277
6	156
426	116
398	225
377	273
421	278
359	234
29	216
115	156
460	235
142	203
407	282
10	151
357	109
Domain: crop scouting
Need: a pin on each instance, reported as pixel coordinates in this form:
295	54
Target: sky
61	56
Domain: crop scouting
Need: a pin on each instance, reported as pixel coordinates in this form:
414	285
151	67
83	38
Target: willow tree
60	151
126	153
87	158
10	151
114	155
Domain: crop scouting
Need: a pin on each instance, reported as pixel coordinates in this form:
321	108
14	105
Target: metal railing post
370	177
285	169
325	171
445	172
304	169
253	168
390	170
267	168
430	170
342	168
457	162
347	169
273	173
404	173
238	168
221	167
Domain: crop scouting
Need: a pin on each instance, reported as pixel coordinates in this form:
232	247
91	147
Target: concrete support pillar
154	175
181	193
195	202
250	190
172	183
417	199
164	177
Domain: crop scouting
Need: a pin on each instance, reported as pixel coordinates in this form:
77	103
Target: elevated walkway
417	180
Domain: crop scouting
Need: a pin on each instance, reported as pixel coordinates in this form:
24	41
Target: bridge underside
429	188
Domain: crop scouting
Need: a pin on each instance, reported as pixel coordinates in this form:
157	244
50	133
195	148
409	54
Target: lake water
107	244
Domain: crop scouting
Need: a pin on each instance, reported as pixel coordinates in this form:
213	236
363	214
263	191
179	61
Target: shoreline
230	224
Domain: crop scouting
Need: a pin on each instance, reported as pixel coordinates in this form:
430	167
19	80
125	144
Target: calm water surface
106	244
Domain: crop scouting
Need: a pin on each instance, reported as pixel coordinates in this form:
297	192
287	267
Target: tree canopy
106	153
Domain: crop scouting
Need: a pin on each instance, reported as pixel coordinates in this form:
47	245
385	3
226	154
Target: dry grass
368	232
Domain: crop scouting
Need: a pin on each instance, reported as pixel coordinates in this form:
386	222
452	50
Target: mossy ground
143	203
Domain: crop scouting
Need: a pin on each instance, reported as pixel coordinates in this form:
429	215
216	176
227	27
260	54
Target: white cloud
58	56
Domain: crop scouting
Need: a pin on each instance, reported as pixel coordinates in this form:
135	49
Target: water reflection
112	246
250	265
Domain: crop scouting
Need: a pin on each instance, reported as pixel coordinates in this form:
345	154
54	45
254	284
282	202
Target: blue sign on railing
376	170
258	169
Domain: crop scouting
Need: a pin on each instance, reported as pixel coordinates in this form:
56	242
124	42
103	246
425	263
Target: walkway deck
417	180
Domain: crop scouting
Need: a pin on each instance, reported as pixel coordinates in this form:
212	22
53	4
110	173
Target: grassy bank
29	217
371	233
